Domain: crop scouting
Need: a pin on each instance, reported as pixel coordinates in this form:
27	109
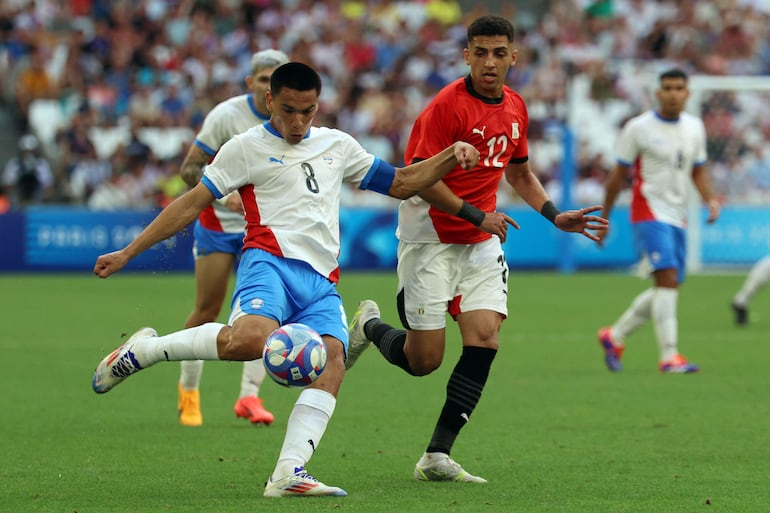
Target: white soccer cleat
300	484
437	466
119	364
358	343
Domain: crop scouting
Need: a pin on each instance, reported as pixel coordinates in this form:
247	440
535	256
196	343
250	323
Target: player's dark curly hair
490	26
673	73
295	75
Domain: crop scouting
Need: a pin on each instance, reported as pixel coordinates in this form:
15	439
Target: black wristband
549	211
471	214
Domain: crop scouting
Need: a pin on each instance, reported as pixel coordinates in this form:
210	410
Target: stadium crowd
114	91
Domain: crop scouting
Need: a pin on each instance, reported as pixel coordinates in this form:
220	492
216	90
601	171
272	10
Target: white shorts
436	278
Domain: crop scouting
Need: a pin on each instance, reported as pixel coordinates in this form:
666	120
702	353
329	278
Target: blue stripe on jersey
624	163
270	128
211	187
206	149
379	178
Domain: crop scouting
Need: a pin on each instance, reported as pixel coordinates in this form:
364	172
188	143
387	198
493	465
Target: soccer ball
294	355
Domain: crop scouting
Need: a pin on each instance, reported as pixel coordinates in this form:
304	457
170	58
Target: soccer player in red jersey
450	256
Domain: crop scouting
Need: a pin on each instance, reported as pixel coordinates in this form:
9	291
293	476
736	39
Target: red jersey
496	127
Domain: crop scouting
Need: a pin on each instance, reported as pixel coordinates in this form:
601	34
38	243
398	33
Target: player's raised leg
144	348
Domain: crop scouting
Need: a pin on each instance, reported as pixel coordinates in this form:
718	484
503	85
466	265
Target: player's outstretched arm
412	179
527	185
181	212
578	221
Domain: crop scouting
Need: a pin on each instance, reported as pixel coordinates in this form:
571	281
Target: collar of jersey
253	108
276	133
472	92
665	120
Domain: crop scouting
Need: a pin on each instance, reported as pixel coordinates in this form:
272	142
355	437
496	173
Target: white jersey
291	192
228	118
663	153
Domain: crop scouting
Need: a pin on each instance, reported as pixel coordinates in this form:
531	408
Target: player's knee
486	336
241	345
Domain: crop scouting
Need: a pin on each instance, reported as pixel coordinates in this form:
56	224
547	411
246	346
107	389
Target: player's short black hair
673	73
295	75
490	26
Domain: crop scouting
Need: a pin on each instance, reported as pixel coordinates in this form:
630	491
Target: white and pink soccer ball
294	355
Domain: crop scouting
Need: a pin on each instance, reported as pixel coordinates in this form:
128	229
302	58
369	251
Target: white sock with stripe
307	424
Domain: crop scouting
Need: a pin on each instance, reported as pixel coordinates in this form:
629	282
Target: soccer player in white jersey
219	233
665	149
289	176
758	278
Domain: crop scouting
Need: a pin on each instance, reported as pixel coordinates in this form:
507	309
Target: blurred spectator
33	83
27	177
163	64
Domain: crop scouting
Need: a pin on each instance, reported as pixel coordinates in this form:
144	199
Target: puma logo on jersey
480	132
273	159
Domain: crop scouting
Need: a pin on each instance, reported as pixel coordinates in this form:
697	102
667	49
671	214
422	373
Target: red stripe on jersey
257	236
209	220
262	237
640	209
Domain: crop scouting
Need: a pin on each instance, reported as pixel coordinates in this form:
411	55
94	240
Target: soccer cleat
251	408
300	484
741	314
358	343
677	365
437	466
119	364
189	407
613	351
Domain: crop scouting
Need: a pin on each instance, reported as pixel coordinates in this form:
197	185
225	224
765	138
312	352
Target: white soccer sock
251	378
307	424
637	314
190	375
665	322
757	278
198	343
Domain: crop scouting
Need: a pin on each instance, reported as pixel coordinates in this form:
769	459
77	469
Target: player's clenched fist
466	154
110	263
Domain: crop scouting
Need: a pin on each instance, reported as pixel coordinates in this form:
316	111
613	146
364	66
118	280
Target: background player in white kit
666	148
289	176
219	235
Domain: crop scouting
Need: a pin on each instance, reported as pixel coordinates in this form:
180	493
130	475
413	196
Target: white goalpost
736	111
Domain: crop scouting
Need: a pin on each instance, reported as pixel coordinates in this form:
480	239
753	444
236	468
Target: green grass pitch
554	431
